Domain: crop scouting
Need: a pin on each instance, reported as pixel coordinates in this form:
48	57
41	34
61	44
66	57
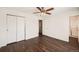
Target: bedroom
20	28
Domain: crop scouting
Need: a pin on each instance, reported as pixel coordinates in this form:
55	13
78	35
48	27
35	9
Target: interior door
20	28
11	24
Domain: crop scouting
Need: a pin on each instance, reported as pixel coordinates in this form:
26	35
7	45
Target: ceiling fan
43	10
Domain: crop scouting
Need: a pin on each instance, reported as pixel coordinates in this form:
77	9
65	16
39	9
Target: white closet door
20	28
11	21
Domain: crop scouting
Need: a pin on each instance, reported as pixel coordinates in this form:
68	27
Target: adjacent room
39	29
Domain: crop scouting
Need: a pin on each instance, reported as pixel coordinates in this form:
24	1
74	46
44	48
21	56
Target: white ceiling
33	9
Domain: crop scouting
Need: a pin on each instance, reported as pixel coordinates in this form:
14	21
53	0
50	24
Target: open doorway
74	30
40	27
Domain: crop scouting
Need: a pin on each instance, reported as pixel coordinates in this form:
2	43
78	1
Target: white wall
57	25
31	24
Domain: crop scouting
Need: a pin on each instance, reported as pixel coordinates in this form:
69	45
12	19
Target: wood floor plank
40	44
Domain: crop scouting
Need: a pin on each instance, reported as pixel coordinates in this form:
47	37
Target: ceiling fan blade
36	12
49	9
38	8
48	13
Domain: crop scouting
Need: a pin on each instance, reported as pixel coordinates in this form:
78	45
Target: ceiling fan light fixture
44	11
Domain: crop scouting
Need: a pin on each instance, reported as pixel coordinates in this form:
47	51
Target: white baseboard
56	38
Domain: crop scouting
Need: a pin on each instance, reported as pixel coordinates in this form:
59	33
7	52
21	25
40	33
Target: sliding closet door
11	22
20	28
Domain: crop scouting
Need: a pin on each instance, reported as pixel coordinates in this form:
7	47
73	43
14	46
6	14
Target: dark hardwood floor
74	41
40	44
